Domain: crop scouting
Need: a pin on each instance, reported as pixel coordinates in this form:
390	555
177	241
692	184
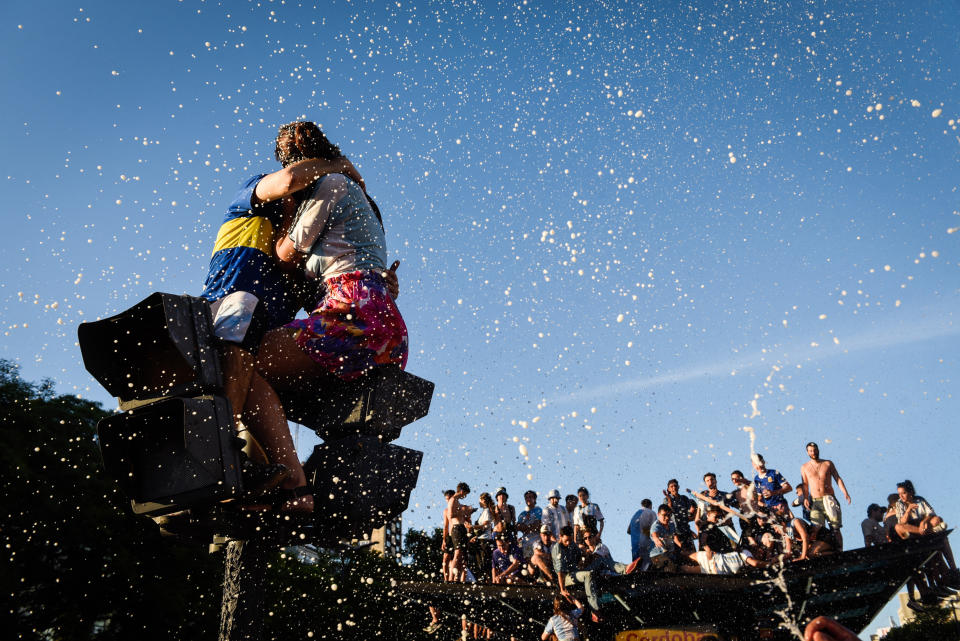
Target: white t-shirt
590	509
564	629
556	518
485	523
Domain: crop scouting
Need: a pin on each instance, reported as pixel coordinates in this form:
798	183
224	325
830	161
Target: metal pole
241	615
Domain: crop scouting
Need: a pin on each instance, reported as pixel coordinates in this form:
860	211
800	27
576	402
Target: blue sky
619	223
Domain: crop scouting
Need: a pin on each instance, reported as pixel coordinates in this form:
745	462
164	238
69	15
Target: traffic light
174	446
379	403
171	453
162	346
359	484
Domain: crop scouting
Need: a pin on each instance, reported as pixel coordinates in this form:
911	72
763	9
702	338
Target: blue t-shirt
528	517
665	532
503	561
243	256
639	531
771	480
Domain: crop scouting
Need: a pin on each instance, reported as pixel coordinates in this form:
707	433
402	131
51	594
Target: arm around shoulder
298	175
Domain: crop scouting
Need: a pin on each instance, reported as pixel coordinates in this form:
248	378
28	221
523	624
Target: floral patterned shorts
355	328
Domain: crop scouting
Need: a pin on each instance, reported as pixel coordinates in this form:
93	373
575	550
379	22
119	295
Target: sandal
259	478
294	500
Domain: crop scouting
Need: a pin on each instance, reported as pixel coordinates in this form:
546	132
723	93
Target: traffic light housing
174	446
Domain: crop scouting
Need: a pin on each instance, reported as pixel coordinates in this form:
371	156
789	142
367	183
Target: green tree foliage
939	624
350	596
77	565
425	553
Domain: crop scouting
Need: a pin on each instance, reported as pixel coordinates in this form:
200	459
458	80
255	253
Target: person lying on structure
717	554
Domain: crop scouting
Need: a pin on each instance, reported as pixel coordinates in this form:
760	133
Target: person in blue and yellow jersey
770	485
250	293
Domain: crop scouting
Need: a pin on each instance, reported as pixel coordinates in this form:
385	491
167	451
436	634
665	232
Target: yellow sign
667	635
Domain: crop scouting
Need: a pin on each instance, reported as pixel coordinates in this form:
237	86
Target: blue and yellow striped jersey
243	256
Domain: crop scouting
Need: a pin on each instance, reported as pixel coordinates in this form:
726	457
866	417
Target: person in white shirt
639	531
555	515
586	515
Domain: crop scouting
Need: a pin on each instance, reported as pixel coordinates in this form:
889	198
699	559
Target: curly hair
908	486
303	139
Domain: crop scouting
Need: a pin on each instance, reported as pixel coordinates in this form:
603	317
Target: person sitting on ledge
596	565
664	555
566	558
507	561
597	557
337	238
541	563
249	295
890	517
872	527
797	534
916	518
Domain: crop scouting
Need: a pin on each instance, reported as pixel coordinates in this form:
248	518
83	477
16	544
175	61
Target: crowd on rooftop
712	532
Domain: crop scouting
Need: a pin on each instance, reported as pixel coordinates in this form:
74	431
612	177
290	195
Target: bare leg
283	364
456	571
691	569
269	424
445	565
539	562
905	530
238	365
948	554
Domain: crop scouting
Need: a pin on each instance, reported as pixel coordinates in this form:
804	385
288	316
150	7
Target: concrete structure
907	615
388	540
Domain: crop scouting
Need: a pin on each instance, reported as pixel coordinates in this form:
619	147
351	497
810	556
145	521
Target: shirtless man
819	498
456	522
744	495
445	547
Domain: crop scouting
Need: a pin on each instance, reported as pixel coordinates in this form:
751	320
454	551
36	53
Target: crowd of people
711	532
